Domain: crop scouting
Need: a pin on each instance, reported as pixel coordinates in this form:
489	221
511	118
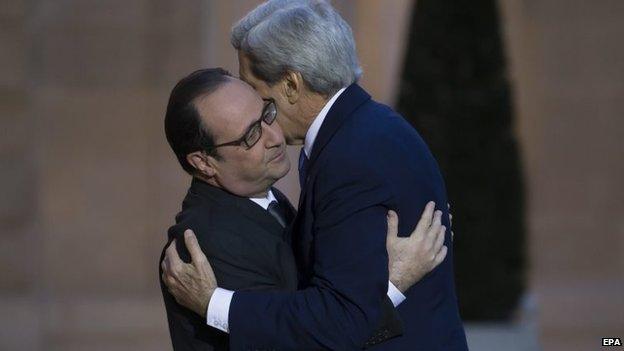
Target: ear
203	163
292	85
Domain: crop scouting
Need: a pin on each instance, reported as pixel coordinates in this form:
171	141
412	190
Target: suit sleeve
235	267
235	261
342	306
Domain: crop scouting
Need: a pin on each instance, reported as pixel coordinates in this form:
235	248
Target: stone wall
568	72
89	185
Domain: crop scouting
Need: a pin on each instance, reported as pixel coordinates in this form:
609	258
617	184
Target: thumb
393	225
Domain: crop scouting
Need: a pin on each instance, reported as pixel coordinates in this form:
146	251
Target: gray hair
305	36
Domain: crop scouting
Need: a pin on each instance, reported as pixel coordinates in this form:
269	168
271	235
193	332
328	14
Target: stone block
20	324
94	13
13	9
14	56
119	324
89	57
94	207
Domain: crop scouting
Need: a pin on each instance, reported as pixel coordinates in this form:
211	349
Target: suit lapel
352	98
242	205
261	216
347	102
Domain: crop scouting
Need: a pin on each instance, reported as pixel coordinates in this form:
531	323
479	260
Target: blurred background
521	101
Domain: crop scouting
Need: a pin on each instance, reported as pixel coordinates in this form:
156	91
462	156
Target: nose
273	134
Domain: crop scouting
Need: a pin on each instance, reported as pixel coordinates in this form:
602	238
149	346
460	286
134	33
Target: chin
282	169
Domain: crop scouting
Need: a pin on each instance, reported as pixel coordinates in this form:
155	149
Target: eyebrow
264	106
248	128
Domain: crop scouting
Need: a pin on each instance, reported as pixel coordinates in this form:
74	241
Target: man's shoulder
375	145
223	221
210	219
372	132
219	231
208	213
373	125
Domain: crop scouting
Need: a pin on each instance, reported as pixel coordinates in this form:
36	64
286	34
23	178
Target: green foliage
455	91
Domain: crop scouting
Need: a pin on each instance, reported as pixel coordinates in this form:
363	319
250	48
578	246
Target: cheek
265	92
278	129
241	163
282	116
254	162
285	124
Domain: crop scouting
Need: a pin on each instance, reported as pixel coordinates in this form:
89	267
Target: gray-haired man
359	159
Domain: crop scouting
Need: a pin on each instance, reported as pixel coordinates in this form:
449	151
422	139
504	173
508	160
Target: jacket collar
242	205
347	102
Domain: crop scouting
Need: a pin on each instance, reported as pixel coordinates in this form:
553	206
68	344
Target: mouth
279	156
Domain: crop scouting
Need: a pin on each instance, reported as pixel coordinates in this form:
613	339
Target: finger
437	222
171	255
448	204
168	280
437	218
163	264
440	256
452	235
435	225
439	240
393	225
425	219
431	233
197	255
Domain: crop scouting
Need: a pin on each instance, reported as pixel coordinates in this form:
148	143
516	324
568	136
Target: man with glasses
359	159
224	135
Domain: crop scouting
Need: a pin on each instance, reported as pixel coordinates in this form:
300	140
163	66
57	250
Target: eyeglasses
254	133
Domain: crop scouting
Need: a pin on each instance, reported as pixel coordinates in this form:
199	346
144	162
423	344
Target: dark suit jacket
366	159
246	246
248	250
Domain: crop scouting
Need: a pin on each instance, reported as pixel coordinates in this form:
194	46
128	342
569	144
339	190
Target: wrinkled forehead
229	111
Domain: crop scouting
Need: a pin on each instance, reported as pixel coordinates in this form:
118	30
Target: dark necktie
303	168
276	210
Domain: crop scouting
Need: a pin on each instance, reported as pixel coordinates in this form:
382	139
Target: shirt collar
264	201
318	122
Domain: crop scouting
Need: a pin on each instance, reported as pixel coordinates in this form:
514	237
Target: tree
454	90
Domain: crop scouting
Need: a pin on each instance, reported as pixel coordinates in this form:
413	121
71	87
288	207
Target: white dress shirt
218	312
264	202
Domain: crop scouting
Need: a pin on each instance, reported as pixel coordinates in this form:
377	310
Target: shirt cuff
395	295
219	309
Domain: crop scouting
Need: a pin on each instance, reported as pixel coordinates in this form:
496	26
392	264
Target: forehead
229	110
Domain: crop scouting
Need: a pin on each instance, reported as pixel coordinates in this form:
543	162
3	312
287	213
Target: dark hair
183	126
